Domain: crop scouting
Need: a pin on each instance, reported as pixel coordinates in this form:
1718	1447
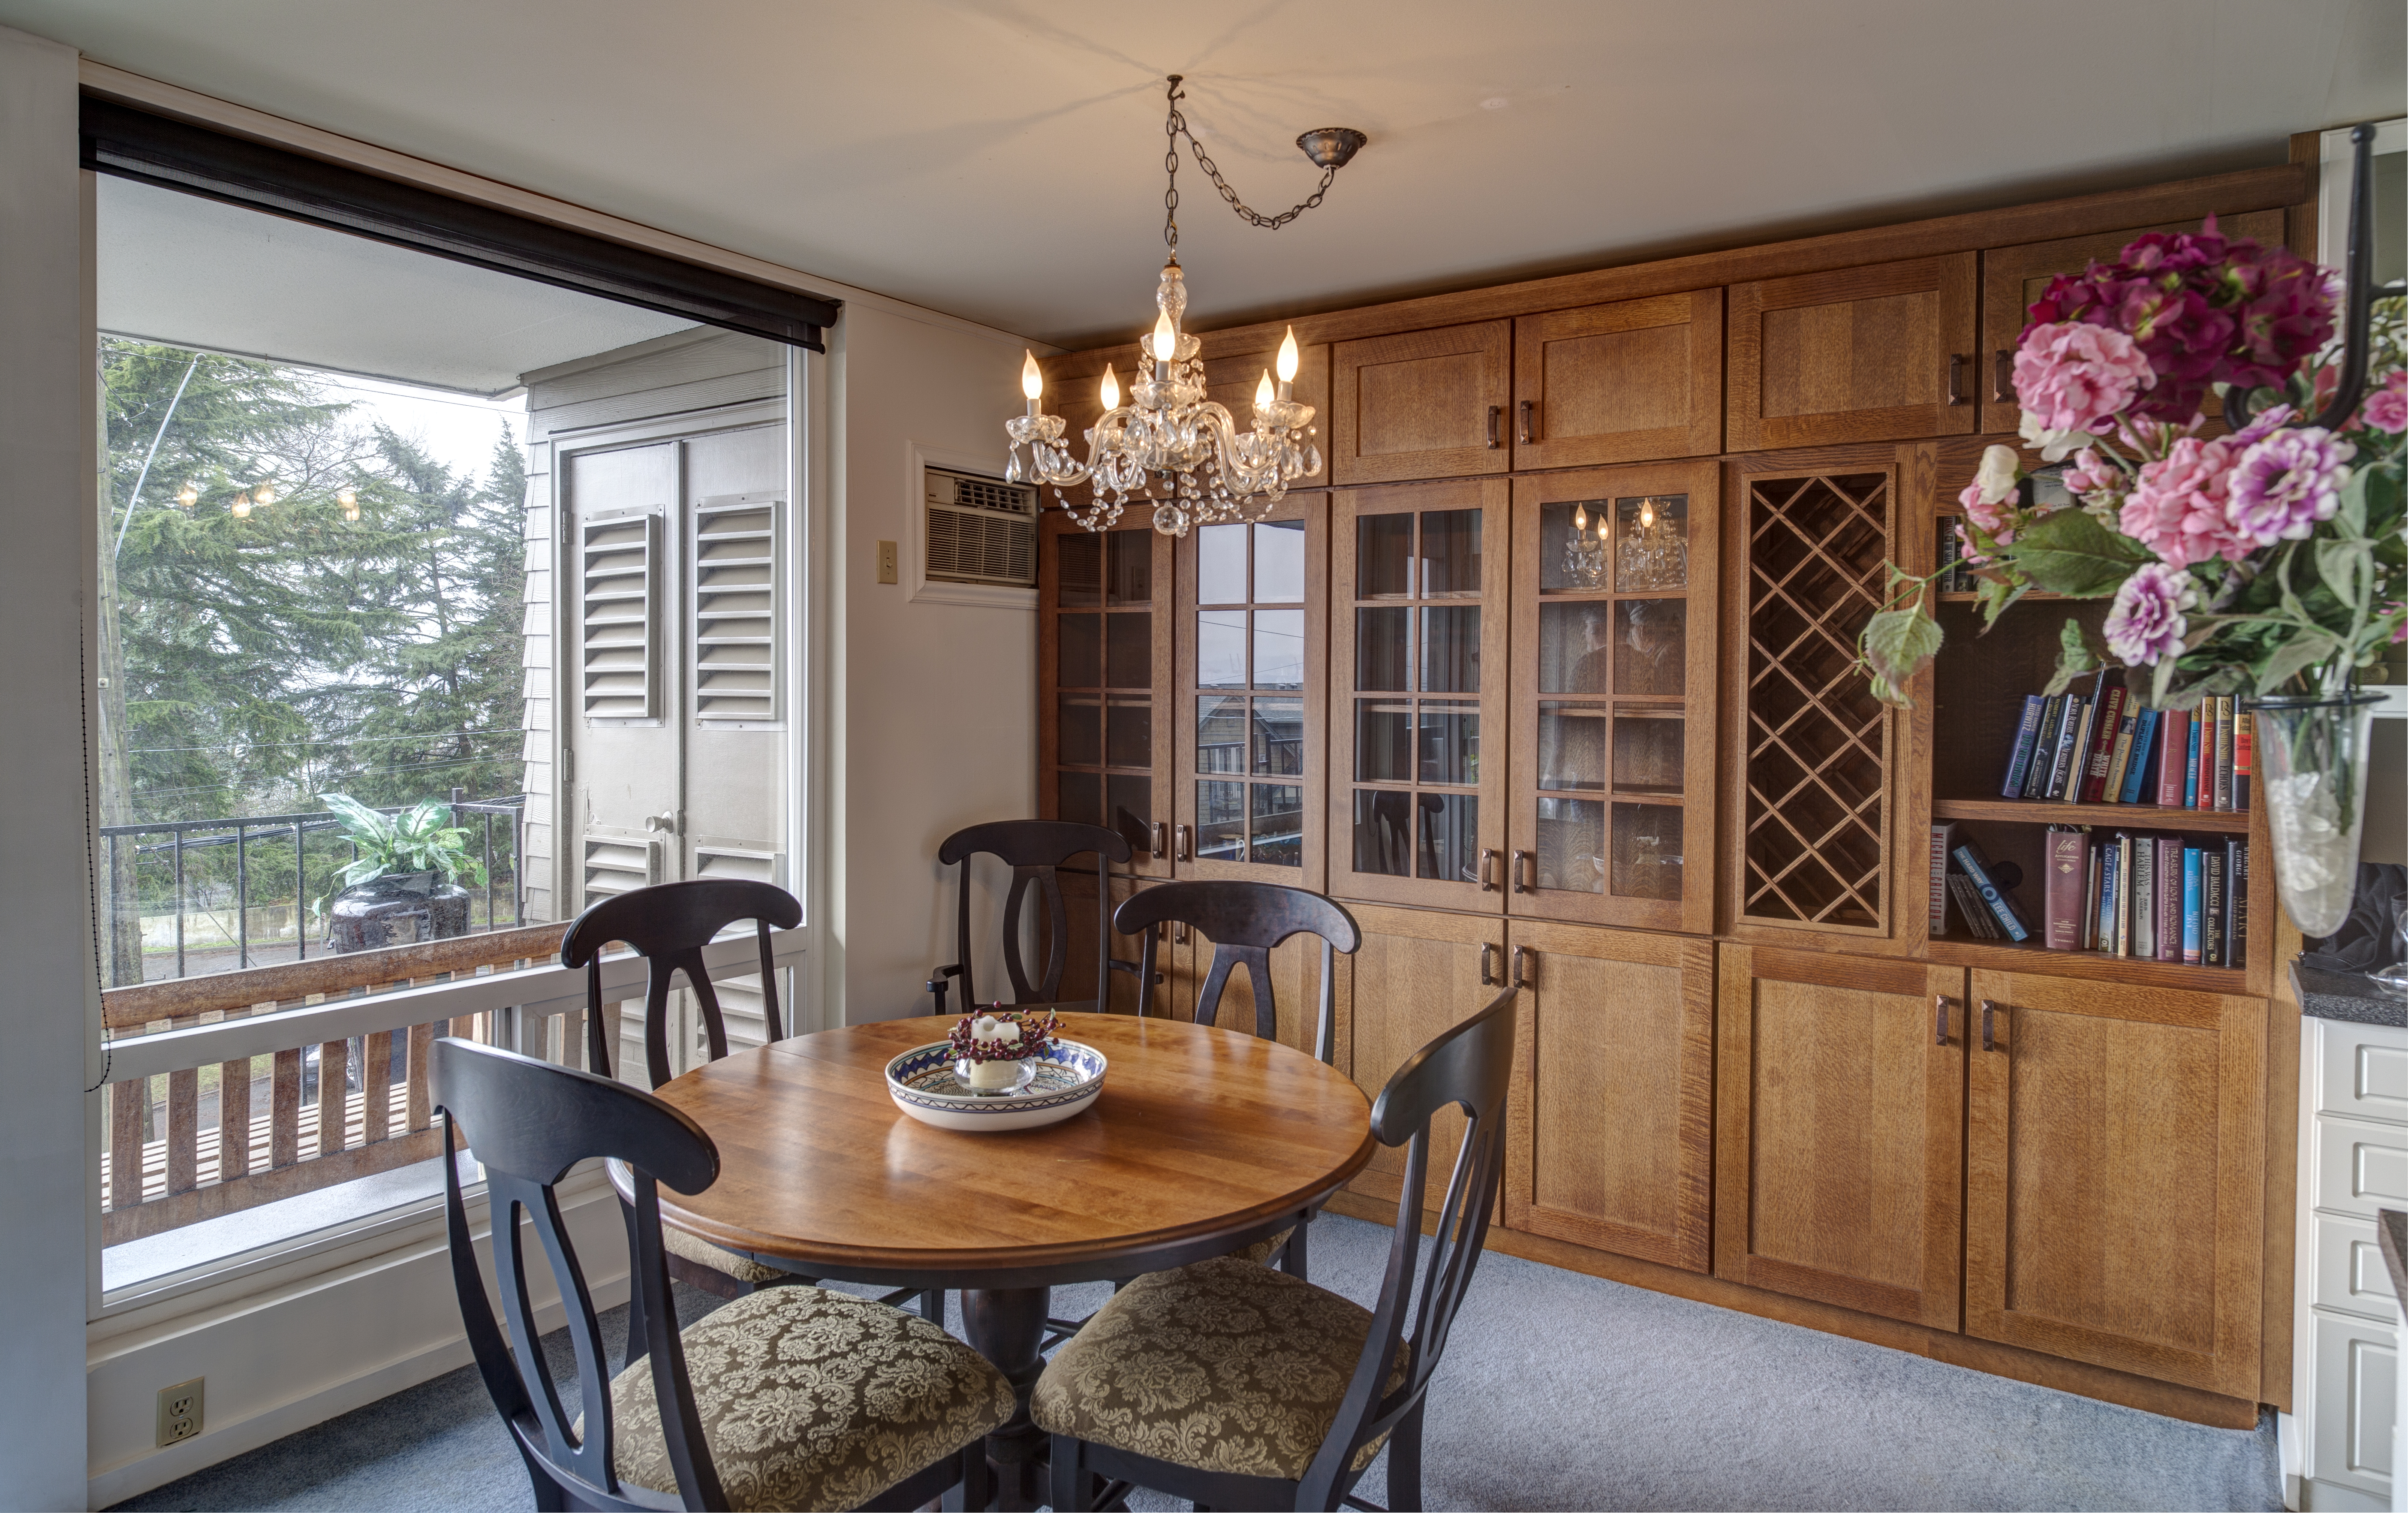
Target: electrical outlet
886	567
179	1411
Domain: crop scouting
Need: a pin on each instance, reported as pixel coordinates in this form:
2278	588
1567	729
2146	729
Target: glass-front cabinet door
1613	727
1104	639
1418	578
1253	614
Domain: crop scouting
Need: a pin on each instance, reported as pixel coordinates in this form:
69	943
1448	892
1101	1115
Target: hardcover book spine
2224	753
2173	742
2169	889
2127	730
2125	893
2092	869
2211	908
2020	761
2245	757
2011	920
2052	721
2068	848
2192	883
1975	913
2111	883
1948	553
2106	724
1943	837
2065	773
2190	757
2236	899
2144	898
2137	772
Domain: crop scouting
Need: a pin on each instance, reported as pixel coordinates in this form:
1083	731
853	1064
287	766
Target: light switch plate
887	572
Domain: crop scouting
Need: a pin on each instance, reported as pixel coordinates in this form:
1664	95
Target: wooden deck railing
184	1173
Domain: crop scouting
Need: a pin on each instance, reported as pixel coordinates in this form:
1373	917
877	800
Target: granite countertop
2341	995
2391	1230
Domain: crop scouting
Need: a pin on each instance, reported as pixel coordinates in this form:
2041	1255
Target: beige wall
934	724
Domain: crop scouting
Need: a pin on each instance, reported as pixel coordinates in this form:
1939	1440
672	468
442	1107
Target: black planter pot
395	910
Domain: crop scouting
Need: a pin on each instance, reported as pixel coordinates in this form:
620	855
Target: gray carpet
1559	1390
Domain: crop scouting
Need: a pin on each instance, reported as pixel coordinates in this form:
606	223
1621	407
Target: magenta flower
2073	378
2283	483
2387	408
2147	624
2177	506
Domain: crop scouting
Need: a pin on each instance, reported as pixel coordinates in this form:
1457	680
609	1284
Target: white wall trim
917	588
820	986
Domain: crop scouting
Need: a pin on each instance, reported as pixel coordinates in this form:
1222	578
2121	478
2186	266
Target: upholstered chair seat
812	1399
1224	1365
693	1249
1262	1252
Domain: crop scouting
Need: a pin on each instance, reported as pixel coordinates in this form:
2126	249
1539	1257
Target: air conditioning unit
980	531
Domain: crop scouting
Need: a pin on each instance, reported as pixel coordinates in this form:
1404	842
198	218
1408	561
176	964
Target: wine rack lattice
1817	740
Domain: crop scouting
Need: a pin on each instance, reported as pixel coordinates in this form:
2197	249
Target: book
2063	889
2099	734
2236	897
1948	556
1978	922
2125	893
2223	754
2169	869
1943	837
2052	721
2011	920
2138	772
2211	907
2065	773
2020	761
2190	757
2092	871
2173	745
2191	883
2144	898
2127	732
2111	883
2243	757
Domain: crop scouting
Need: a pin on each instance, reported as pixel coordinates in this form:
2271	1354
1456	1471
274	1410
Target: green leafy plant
417	839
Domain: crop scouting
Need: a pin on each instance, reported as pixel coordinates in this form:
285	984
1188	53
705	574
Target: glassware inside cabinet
1646	862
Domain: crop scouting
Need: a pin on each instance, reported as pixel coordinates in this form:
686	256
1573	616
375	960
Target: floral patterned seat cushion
810	1399
1224	1365
1261	1252
694	1247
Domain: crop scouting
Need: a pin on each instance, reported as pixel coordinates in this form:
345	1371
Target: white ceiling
177	268
1003	162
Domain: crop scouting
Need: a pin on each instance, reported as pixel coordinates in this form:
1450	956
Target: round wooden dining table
1202	1141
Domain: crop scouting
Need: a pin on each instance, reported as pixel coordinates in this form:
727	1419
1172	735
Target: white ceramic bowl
921	1083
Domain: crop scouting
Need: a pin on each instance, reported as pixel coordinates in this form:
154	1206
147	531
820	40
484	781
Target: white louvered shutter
737	607
617	864
620	652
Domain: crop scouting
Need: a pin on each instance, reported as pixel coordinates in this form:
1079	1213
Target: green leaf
2077	652
2294	656
1898	644
2347	569
1995	596
2352	514
2070	552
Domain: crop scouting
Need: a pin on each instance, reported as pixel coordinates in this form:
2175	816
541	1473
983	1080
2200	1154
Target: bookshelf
2107	817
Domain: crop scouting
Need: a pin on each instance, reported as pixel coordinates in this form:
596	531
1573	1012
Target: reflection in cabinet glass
1103	643
1427	554
1250	652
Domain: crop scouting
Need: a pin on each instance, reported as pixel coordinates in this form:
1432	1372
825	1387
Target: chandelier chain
1176	127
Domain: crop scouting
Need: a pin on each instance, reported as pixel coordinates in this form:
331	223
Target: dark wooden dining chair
1231	1385
791	1397
1245	921
1036	850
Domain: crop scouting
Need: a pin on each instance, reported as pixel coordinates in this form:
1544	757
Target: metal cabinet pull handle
1494	411
1940	1001
1524	864
1989	1036
1487	872
1179	932
1522	429
1956	377
2002	382
1187	843
1525	964
1158	839
1487	965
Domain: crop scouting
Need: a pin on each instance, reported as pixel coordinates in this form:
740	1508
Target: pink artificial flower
2074	377
2283	318
2177	506
2147	624
2093	478
1967	553
2387	408
2283	483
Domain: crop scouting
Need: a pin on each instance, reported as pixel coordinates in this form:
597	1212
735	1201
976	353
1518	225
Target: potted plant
404	884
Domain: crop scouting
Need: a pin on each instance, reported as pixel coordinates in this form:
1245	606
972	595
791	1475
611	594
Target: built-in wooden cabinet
1103	664
1633	381
1611	736
1423	404
1417	651
1418	972
1841	1137
2116	1182
1876	353
1610	1141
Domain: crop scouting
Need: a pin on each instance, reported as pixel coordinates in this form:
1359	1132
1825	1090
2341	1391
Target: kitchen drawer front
2349	1270
2362	1070
2350	1441
2360	1167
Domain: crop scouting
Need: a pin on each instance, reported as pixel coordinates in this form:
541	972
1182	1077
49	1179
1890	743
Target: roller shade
178	154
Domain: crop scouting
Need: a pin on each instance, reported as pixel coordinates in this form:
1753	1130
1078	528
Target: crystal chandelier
1169	445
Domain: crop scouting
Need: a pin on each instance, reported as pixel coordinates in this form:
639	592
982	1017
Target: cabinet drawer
2362	1070
2352	1376
2360	1167
2349	1270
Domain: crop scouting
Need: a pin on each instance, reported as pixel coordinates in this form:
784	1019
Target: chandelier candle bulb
1263	391
243	505
264	494
1111	389
188	496
1286	364
1032	383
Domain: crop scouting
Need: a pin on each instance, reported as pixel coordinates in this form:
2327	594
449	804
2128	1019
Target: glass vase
2311	759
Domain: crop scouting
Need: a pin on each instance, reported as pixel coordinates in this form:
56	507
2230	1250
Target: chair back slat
529	1123
1036	850
1244	921
668	924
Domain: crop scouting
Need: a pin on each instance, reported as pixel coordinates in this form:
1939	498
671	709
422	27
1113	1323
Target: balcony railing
174	905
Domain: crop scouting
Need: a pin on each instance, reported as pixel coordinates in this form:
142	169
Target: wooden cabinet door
1623	383
1253	697
1104	634
1612	715
1876	353
1417	974
1079	970
1611	1141
1839	1129
2114	1194
1425	404
1417	685
2013	276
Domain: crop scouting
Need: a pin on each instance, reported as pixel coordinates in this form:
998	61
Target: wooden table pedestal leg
1008	1327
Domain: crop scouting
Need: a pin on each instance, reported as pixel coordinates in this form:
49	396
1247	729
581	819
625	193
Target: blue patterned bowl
921	1083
